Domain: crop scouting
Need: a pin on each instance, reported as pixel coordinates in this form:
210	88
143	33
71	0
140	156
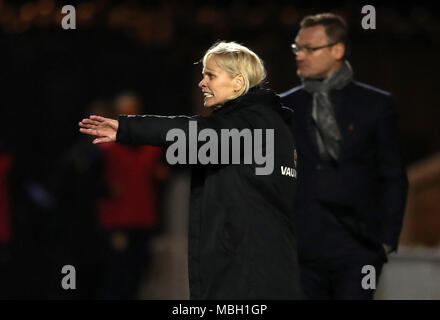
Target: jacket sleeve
153	130
148	129
392	172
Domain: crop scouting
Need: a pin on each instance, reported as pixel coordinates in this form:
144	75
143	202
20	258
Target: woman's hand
104	129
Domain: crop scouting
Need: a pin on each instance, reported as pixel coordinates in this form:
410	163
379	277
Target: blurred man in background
351	172
128	216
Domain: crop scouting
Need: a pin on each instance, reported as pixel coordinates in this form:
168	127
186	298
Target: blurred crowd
154	22
98	211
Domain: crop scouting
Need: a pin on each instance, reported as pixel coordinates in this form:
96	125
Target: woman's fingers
103	129
102	140
98	118
85	130
85	125
99	121
90	122
92	132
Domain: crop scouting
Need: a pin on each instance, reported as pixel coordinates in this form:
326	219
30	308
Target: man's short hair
335	27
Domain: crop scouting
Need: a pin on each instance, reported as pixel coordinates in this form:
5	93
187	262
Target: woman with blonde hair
242	242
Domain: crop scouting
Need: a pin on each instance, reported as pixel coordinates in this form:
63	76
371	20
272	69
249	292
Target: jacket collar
255	95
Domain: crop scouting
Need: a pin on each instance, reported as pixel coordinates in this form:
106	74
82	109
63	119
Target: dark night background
49	75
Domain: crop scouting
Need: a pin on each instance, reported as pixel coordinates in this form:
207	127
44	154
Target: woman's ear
238	82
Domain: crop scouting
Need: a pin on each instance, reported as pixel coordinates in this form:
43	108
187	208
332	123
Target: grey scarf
328	136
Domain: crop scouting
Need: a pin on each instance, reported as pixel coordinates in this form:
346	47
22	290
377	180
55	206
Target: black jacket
242	241
368	188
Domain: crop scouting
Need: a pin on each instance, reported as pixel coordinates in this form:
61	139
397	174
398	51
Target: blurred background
119	214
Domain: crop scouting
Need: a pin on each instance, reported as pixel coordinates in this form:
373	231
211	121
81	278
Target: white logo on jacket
287	171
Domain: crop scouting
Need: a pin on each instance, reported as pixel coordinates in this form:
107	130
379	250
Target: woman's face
217	85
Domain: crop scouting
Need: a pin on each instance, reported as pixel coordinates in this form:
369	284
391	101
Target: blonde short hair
236	59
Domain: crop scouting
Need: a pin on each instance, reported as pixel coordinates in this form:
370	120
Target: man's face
217	85
319	63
